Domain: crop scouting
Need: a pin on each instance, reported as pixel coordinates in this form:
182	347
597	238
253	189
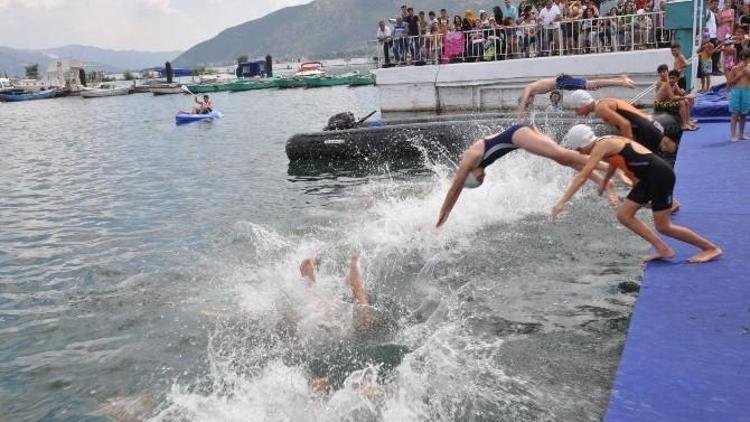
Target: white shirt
548	16
711	24
384	33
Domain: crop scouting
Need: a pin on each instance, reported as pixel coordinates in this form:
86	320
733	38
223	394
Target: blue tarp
251	69
687	355
712	104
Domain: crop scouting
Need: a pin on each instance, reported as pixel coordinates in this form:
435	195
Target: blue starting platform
687	354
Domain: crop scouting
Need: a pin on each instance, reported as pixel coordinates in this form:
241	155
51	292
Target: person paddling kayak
203	107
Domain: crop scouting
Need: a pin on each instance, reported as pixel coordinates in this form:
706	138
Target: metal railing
583	36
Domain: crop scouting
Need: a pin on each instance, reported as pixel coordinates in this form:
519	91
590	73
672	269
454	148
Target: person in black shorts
656	181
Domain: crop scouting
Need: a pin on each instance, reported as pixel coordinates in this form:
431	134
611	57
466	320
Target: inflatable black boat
418	138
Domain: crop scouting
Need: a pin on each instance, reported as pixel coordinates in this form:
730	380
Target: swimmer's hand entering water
556	210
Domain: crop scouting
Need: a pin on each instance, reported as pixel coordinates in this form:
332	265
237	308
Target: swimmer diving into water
655	183
329	370
483	152
567	83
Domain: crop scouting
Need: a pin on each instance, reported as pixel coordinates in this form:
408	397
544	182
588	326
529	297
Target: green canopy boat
202	88
359	79
248	85
325	80
290	83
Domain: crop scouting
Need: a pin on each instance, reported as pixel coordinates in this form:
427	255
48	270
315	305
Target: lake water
149	271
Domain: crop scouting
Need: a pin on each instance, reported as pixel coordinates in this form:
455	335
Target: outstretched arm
528	93
605	182
468	162
596	156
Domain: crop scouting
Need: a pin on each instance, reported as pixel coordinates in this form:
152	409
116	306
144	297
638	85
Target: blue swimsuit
498	145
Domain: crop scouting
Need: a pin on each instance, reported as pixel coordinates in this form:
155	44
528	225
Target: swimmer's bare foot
706	255
307	269
744	137
675	207
735	138
668	253
320	385
628	82
613	199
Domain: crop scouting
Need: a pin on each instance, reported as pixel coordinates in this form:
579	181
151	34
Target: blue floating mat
713	105
687	355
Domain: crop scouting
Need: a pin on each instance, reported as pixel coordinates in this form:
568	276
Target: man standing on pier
385	38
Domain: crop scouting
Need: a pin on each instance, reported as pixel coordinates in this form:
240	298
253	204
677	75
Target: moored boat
20	95
295	82
325	80
184	117
147	85
310	69
105	91
167	89
202	88
251	84
359	79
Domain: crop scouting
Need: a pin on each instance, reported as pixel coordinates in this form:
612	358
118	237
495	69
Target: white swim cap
579	136
471	181
579	98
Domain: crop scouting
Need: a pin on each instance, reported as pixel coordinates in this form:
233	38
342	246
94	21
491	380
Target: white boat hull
98	92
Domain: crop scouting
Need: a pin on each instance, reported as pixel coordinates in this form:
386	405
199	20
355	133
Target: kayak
185	117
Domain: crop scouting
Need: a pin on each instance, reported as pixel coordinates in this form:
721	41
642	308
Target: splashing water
444	353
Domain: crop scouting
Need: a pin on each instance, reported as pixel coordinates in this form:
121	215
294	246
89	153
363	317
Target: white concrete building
486	86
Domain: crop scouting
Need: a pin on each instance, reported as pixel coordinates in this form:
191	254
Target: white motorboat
310	69
105	90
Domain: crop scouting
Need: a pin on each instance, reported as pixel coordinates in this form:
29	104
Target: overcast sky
153	25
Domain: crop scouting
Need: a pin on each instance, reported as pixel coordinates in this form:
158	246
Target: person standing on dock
738	82
385	39
483	152
565	82
655	184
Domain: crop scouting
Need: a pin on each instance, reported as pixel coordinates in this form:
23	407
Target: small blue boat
184	117
27	96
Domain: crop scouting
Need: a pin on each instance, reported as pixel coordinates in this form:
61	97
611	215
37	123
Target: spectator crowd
513	30
724	50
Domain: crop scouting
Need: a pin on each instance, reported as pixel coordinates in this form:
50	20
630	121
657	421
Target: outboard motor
341	121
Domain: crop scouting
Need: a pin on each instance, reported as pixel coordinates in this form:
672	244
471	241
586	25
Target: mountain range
319	29
13	61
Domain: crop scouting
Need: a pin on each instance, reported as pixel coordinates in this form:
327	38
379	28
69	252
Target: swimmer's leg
540	144
362	305
665	226
733	127
320	385
626	216
595	84
307	269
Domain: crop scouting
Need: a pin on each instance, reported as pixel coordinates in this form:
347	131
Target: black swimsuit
655	177
645	131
